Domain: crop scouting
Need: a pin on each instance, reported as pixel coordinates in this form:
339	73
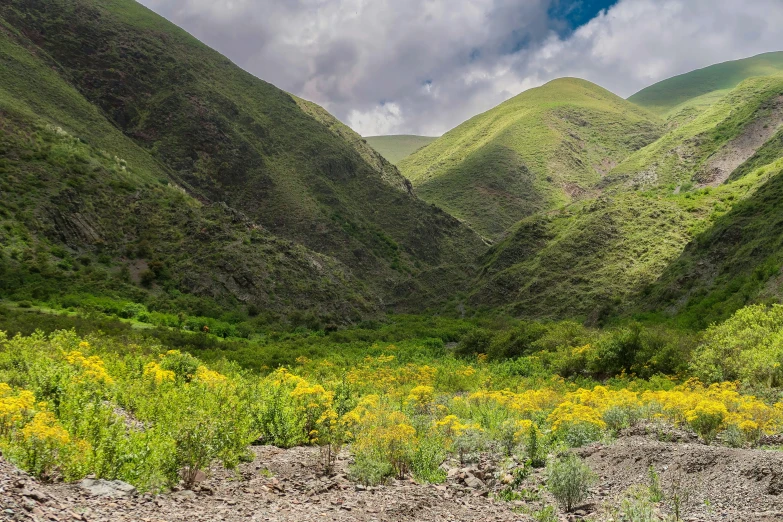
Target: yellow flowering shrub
91	369
158	374
421	397
14	408
209	377
707	418
570	414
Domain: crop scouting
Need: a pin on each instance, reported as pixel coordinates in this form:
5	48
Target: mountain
710	147
736	261
701	87
133	147
397	148
541	149
657	219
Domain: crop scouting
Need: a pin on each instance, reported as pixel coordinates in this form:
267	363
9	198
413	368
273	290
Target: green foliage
534	152
637	506
569	480
746	347
427	458
220	135
692	88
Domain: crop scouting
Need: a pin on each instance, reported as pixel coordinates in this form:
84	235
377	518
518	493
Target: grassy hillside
701	87
544	148
587	260
735	261
397	148
592	257
709	148
201	123
86	212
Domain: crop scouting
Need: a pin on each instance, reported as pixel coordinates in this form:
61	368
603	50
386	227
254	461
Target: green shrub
569	480
428	455
474	342
370	470
746	347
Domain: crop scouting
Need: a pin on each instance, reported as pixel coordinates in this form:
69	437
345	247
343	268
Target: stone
107	488
473	482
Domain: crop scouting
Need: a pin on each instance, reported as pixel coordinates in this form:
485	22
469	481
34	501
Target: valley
220	302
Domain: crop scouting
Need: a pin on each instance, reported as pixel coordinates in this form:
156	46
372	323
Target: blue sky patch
576	13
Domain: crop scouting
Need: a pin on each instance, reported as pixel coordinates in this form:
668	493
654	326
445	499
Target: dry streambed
721	484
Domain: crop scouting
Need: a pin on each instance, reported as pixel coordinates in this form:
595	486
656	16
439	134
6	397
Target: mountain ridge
539	150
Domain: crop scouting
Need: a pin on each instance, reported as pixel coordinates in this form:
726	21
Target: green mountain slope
544	148
95	214
224	136
734	262
703	86
592	257
397	148
709	148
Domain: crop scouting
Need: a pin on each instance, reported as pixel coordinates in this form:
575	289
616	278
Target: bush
369	470
427	458
569	480
474	342
707	419
746	347
195	449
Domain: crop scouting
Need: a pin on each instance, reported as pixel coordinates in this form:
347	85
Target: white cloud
424	66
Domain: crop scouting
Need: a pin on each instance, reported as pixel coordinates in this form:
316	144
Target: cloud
424	66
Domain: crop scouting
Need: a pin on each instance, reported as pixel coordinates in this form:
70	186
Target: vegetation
397	148
195	155
546	147
569	480
124	405
670	217
701	87
193	261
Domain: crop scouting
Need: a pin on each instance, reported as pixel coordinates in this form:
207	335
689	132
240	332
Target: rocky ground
720	484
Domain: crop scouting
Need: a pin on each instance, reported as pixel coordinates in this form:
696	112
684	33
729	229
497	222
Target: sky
425	66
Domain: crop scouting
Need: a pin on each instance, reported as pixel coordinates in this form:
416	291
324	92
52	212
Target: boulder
107	488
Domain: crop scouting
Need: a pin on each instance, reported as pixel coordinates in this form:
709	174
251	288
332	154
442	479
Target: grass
397	148
683	153
603	257
701	87
176	111
544	148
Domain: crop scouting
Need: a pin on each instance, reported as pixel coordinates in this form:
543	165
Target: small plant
637	506
733	437
535	449
426	460
370	470
569	480
656	493
468	444
194	450
678	495
547	514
